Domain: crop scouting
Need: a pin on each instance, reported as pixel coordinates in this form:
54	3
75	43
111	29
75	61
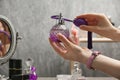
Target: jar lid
15	63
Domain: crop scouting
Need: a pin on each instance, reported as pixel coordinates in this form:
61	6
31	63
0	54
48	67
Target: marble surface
87	78
31	18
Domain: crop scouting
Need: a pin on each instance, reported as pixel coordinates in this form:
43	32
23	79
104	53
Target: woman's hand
99	24
69	49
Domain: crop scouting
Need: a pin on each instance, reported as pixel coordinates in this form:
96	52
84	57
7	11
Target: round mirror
7	39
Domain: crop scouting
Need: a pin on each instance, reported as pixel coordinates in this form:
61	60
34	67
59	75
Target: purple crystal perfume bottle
59	28
30	70
56	29
33	75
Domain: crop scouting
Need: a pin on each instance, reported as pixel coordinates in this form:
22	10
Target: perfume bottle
29	64
31	70
77	72
33	75
59	28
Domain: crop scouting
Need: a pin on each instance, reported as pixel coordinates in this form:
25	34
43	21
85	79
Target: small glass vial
29	64
77	72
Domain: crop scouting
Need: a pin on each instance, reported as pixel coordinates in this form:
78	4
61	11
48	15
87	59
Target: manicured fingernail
58	34
82	26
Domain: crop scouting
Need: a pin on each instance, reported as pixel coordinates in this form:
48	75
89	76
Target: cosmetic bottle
29	64
77	72
30	69
15	67
59	28
33	75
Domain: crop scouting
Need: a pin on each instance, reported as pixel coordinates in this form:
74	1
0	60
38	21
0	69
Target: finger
56	47
3	49
88	28
71	39
74	39
74	31
1	54
60	45
86	16
89	15
74	34
91	21
64	40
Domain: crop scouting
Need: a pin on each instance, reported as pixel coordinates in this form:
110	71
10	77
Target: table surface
88	78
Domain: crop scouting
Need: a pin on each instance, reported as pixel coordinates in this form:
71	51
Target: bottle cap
15	63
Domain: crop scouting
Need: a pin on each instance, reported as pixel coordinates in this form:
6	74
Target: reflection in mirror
5	39
8	39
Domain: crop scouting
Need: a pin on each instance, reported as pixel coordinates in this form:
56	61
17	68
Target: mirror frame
12	48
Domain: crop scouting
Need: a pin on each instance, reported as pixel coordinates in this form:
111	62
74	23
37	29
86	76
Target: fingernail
82	26
58	34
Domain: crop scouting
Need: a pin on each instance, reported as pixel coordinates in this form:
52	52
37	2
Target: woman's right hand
99	24
70	50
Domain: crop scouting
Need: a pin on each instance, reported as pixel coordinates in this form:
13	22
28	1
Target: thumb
63	39
87	28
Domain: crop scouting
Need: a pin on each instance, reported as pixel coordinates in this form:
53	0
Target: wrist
85	57
91	59
116	35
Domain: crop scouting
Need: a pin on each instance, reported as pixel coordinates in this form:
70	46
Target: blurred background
31	18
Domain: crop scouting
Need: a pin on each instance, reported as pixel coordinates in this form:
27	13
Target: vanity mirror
8	39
